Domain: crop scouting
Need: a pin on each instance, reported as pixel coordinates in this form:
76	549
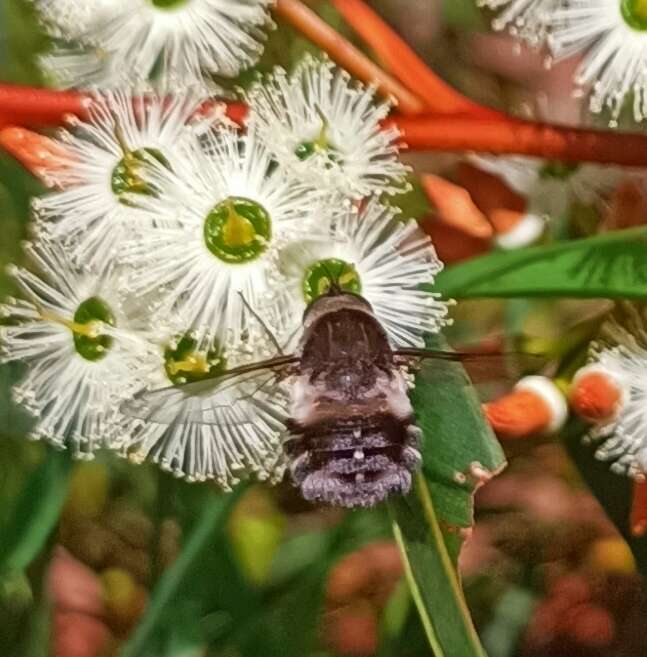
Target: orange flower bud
455	206
40	155
536	406
595	395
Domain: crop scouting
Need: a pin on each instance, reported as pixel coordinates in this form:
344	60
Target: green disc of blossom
237	230
317	279
558	170
167	4
184	364
93	310
635	13
126	176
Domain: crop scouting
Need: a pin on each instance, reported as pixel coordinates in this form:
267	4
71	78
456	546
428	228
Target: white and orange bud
596	395
536	406
40	155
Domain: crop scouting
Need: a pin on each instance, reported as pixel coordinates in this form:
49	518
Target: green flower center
167	4
89	317
321	144
320	275
635	13
184	364
237	230
558	170
126	176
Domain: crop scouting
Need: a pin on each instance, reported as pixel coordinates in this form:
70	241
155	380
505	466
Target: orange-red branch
401	60
32	107
465	133
346	54
28	106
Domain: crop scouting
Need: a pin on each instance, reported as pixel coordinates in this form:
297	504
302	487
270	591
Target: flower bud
596	395
38	154
455	207
535	406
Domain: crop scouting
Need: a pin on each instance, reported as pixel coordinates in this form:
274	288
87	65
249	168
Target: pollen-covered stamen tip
596	395
536	406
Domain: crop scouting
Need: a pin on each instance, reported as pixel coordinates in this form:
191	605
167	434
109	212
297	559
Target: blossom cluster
176	245
610	36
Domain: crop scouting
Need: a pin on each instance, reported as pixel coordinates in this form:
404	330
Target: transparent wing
482	366
217	401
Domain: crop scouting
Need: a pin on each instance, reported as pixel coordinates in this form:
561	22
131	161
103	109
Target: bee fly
351	438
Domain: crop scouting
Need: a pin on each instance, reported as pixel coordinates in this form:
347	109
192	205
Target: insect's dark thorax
353	440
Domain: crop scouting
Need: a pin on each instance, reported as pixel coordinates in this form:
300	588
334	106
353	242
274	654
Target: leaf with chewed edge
459	453
459	449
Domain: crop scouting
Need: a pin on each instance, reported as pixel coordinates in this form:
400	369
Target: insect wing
481	366
224	400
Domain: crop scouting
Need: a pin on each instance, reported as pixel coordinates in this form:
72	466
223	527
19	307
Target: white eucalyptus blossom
613	36
72	331
622	355
178	41
247	436
100	179
373	253
326	129
209	260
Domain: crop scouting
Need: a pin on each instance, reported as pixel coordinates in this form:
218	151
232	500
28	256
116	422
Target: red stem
512	136
27	106
399	58
32	107
346	54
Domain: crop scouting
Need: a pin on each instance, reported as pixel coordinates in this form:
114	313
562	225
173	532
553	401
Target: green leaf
459	452
210	523
612	265
36	512
458	444
432	575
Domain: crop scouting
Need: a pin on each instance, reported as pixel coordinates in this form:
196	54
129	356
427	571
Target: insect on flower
351	437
